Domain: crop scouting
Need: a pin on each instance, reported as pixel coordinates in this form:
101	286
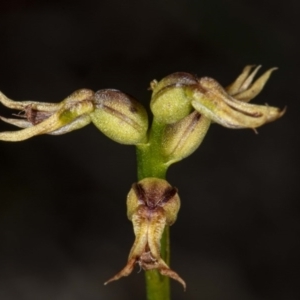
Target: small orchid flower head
117	115
177	95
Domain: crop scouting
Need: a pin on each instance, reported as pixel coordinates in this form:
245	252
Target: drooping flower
152	204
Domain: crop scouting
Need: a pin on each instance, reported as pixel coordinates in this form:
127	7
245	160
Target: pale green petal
235	87
46	126
248	80
22	123
74	125
45	118
211	100
21	105
255	88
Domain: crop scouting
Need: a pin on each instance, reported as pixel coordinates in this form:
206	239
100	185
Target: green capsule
169	102
182	138
120	117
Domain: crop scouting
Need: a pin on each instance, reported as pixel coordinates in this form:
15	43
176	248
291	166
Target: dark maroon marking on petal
140	192
254	115
35	116
169	194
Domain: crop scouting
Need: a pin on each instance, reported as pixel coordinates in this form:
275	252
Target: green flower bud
182	138
120	117
169	102
152	204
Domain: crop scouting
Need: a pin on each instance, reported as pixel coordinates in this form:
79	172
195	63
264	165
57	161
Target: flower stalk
150	163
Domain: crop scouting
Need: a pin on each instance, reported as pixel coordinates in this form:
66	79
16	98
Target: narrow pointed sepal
45	118
244	89
211	100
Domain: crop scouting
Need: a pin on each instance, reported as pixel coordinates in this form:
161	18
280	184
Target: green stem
150	163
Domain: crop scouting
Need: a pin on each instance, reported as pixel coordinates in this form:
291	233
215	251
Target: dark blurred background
63	225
